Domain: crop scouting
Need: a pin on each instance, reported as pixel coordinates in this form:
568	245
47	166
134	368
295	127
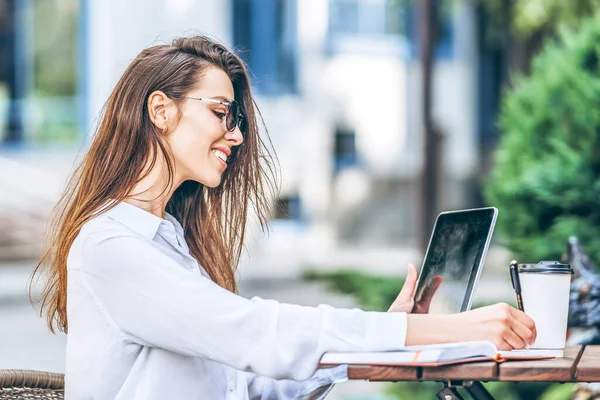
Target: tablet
453	261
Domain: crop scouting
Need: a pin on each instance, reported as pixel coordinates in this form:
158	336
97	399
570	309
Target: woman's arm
501	324
157	302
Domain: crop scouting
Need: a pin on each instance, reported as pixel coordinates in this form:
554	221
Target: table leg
478	391
449	393
475	389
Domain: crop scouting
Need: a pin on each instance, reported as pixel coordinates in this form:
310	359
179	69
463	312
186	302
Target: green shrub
374	293
546	177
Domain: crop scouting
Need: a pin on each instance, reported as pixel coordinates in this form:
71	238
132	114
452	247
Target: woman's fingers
410	285
405	300
514	340
519	330
524	326
425	299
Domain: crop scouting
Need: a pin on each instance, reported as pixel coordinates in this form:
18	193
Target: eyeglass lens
234	118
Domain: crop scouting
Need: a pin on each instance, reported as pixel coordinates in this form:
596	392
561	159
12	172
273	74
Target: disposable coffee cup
545	293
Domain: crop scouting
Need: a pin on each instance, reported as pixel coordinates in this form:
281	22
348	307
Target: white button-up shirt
146	322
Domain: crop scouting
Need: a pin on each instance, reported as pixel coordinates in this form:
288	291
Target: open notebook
437	354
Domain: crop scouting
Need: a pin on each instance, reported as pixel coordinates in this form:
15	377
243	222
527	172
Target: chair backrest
18	384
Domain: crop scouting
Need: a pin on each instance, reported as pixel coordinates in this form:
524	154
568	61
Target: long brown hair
127	142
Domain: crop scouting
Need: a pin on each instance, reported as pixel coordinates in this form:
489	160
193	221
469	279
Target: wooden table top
578	365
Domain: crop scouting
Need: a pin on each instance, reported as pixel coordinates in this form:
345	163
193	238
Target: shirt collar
135	218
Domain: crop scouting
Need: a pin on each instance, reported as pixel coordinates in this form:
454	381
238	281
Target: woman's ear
159	109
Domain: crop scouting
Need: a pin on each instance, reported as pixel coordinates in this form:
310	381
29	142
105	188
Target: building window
344	148
39	80
367	17
265	36
382	26
288	208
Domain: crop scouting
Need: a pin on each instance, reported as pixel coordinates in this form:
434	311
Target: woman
142	261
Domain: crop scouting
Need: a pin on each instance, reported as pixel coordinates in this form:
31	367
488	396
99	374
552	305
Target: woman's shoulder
121	220
103	226
102	235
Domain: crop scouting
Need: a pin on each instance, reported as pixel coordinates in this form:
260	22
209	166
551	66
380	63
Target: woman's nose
236	136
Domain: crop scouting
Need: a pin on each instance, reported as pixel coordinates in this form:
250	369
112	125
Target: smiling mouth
220	155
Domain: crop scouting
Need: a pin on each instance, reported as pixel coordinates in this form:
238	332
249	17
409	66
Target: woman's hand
405	302
501	324
406	299
505	326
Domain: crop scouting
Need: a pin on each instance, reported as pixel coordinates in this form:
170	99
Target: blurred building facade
338	83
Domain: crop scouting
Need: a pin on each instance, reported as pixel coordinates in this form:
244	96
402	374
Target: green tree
530	16
520	28
546	178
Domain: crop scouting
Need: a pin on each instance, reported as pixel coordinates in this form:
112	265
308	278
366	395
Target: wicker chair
18	384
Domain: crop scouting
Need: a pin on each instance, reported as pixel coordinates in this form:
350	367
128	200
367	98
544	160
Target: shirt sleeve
157	302
314	388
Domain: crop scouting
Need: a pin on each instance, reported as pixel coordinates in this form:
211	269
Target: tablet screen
454	257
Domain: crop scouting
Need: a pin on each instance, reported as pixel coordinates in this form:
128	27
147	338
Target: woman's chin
209	177
213	185
211	182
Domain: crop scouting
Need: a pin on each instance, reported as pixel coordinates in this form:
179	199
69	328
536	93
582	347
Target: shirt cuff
323	381
386	331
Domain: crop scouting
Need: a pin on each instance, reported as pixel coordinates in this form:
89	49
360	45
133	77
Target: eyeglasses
233	117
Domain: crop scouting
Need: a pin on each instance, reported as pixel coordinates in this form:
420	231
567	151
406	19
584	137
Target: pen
516	283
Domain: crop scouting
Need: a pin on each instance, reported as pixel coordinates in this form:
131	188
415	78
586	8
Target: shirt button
231	386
